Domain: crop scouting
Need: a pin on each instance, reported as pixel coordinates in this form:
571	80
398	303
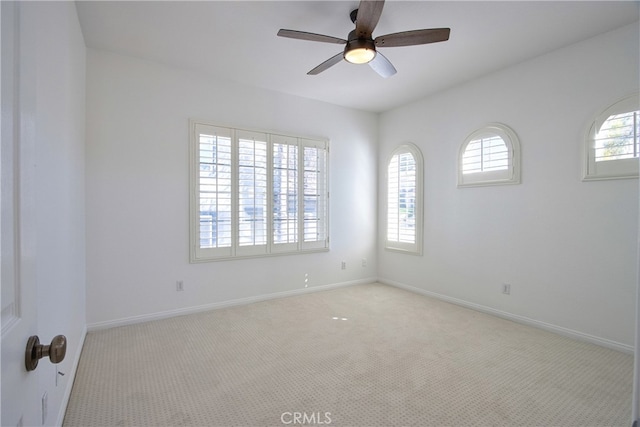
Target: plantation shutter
252	193
613	143
489	156
285	193
256	194
618	137
401	199
404	200
214	184
314	194
485	155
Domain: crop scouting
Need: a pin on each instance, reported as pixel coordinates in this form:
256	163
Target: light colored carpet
367	355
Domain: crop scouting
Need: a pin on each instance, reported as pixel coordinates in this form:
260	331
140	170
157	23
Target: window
489	156
404	200
256	194
613	142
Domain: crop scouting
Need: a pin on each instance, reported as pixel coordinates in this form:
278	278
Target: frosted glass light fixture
360	55
359	50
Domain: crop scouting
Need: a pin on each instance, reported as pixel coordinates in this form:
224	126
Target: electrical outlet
179	286
364	262
306	279
344	265
506	289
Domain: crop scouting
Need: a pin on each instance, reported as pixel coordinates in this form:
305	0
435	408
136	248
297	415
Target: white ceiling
236	41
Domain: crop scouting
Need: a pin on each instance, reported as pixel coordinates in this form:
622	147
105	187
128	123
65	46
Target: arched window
489	156
613	142
404	200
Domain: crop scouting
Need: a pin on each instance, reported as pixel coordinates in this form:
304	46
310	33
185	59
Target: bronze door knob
36	351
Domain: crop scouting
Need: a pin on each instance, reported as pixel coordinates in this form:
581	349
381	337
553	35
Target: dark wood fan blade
415	37
382	66
301	35
368	16
326	64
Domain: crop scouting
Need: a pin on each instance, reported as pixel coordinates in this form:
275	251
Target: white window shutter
256	194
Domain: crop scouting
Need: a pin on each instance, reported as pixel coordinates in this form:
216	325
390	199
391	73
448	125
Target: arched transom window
489	156
613	143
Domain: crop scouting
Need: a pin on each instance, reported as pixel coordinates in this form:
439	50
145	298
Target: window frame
236	250
615	168
404	247
509	176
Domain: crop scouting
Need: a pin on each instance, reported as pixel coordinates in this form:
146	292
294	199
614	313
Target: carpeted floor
367	355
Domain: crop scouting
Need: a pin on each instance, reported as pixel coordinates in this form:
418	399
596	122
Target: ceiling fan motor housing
360	45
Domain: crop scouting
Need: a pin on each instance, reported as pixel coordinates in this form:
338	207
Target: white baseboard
243	301
71	378
218	305
516	318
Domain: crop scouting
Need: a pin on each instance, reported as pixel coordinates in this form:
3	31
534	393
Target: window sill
199	260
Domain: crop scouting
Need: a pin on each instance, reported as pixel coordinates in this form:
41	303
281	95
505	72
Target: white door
21	405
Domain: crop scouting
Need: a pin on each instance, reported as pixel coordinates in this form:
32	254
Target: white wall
59	88
138	189
567	247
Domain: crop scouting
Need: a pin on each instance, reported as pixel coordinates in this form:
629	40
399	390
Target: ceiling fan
361	46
